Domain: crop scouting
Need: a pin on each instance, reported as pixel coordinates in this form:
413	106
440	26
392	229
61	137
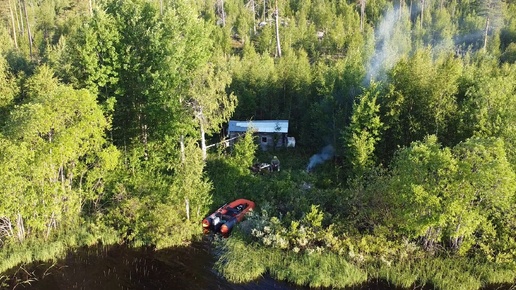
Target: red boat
227	216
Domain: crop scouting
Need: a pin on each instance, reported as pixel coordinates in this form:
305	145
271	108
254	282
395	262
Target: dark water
118	267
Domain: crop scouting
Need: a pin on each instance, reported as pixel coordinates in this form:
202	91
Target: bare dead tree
251	5
422	13
29	34
486	33
6	227
20	228
221	11
362	14
402	3
278	45
20	18
13	23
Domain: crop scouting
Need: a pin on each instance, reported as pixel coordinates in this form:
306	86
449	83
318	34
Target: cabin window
264	139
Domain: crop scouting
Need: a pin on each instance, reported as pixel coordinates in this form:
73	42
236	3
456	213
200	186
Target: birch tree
209	101
52	134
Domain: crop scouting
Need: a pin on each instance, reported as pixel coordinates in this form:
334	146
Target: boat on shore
224	219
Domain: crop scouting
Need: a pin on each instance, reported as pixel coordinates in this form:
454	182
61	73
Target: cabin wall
266	141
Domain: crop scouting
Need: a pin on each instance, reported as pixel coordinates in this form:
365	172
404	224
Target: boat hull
224	219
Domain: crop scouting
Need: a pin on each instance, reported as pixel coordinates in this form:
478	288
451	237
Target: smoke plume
326	154
392	40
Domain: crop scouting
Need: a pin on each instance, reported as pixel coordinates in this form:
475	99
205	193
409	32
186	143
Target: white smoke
392	40
326	154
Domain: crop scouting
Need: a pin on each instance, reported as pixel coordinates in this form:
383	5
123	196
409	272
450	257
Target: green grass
14	254
241	263
444	273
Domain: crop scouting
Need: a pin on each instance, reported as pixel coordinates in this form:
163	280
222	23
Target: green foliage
444	195
420	100
54	136
314	270
509	55
116	158
361	136
488	105
7	87
244	151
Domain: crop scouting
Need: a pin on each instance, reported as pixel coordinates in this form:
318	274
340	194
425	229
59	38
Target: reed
14	254
241	262
444	273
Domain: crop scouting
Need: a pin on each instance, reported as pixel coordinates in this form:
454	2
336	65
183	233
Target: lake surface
118	267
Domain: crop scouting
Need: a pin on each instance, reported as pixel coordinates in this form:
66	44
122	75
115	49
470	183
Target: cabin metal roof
261	126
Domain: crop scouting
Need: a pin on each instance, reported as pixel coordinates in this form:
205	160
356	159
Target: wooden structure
271	133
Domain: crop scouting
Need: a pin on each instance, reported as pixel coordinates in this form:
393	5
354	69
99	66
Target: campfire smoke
326	154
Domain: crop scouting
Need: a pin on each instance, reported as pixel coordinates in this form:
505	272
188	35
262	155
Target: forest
113	113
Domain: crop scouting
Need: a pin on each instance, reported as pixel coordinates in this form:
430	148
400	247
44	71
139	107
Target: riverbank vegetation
404	116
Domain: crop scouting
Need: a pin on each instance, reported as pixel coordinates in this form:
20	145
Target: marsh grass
444	273
241	263
317	270
13	255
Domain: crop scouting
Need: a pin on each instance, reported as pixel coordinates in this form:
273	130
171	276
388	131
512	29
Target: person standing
275	164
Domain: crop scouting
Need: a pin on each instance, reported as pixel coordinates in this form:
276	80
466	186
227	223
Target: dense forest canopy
108	109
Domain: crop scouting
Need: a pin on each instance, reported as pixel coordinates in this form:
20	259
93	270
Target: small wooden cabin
271	133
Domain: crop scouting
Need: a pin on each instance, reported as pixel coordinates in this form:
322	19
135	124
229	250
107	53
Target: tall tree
143	59
455	197
487	106
56	136
420	100
211	105
8	88
491	10
363	132
276	18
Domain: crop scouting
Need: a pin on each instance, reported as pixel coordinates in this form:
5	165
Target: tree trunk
223	13
13	24
422	13
486	31
278	46
400	14
182	146
142	122
456	242
203	144
200	116
20	19
362	14
6	228
254	16
20	228
51	224
61	176
264	19
187	205
28	27
410	11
